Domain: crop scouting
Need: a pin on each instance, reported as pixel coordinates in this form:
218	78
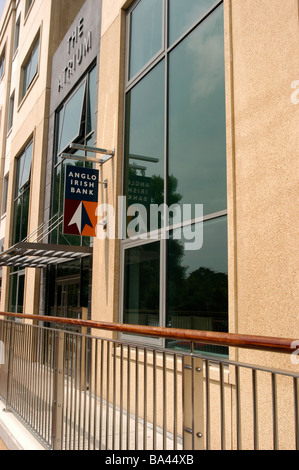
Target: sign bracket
107	154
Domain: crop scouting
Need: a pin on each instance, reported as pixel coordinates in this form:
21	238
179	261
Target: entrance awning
41	255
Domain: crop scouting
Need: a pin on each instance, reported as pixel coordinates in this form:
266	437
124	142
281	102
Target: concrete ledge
14	435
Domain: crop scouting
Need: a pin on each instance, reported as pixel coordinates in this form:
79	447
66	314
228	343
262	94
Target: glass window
146	33
22	194
16	292
30	68
197	281
2	65
24	168
175	122
181	18
4	195
145	110
197	126
70	118
142	285
17	34
11	111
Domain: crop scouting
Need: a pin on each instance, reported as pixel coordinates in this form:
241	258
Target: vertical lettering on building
78	46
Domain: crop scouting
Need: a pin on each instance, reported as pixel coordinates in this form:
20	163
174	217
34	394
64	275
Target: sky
2	3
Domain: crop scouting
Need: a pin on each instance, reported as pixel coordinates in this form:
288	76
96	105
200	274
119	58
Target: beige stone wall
262	62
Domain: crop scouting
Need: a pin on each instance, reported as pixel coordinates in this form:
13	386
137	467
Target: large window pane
22	194
24	167
70	118
30	68
183	14
197	281
197	131
142	285
146	33
145	140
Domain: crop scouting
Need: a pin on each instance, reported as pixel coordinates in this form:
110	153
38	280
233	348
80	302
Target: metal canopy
41	255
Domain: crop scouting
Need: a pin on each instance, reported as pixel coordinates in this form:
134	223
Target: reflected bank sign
80	201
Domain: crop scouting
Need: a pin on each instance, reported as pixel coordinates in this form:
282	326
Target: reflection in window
176	123
22	193
142	285
27	6
181	18
145	140
30	68
197	126
70	118
146	33
17	34
197	281
2	64
11	111
4	195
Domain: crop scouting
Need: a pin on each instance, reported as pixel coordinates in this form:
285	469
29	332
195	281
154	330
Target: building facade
200	108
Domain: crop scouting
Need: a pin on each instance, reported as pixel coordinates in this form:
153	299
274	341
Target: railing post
9	366
193	408
58	391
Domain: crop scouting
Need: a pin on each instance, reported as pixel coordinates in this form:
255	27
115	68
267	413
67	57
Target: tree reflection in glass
197	281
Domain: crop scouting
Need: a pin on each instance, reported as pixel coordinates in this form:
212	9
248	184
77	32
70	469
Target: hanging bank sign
80	201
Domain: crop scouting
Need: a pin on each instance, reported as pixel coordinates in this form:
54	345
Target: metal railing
79	391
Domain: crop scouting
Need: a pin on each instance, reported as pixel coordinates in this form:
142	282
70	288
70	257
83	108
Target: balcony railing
77	389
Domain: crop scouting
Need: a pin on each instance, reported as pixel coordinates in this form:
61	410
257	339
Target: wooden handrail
263	343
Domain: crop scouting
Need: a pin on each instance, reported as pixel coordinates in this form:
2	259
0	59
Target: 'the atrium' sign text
78	46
